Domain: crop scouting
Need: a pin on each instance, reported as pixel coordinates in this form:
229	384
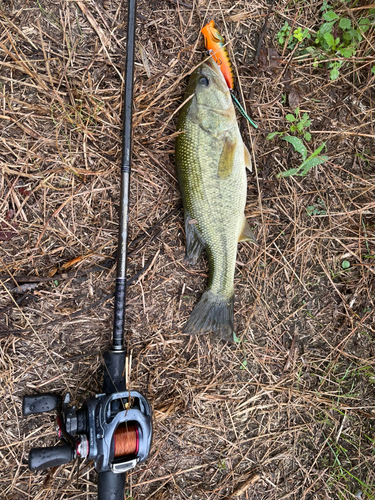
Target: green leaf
373	70
346	52
298	34
299	126
328	37
307	136
318	150
236	339
330	15
311	210
243	364
290	118
298	145
345	264
334	74
272	135
310	163
326	28
364	24
345	23
288	173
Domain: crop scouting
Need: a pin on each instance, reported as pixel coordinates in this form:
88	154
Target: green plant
222	465
337	39
308	163
243	364
317	209
298	35
299	124
236	339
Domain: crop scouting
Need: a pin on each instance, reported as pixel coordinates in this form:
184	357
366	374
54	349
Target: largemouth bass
211	161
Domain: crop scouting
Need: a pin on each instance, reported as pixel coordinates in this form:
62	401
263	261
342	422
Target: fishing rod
114	428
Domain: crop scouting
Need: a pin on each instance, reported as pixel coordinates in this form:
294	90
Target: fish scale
211	169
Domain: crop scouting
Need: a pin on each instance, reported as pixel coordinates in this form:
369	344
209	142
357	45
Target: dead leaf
53	271
294	97
242	489
269	59
8	231
73	261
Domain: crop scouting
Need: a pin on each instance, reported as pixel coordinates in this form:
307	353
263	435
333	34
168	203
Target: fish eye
204	81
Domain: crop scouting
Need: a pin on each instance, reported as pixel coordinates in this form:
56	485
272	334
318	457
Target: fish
214	44
211	161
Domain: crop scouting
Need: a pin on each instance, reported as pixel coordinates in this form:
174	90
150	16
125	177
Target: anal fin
194	242
248	162
246	233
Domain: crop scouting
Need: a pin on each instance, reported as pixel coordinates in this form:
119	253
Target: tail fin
213	313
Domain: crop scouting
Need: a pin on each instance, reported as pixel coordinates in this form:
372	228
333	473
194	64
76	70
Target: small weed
49	16
222	465
317	209
308	163
368	372
298	35
243	364
300	124
236	339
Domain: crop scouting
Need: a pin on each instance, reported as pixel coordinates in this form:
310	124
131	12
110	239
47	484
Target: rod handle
111	486
119	313
114	372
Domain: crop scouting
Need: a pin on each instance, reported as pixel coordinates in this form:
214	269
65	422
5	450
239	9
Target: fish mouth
213	69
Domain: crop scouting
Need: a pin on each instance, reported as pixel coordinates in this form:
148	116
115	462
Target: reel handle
40	403
52	456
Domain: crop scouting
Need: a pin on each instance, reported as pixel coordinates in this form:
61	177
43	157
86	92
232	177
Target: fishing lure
215	45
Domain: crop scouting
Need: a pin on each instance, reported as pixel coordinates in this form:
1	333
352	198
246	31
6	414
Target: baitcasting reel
114	430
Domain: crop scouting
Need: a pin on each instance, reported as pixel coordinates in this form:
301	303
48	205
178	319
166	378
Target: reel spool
126	440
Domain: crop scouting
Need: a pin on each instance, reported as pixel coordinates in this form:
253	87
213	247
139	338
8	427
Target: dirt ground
288	411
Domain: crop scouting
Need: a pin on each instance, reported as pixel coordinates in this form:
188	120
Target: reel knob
40	403
53	456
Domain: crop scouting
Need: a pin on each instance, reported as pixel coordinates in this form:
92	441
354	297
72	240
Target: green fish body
211	161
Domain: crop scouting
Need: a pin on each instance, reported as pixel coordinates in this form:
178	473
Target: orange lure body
214	44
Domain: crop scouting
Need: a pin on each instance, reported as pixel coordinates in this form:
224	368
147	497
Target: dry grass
289	411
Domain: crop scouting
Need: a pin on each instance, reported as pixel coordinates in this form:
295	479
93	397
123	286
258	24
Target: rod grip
111	486
119	312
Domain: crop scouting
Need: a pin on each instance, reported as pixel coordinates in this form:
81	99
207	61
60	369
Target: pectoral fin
248	163
247	234
227	158
194	242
